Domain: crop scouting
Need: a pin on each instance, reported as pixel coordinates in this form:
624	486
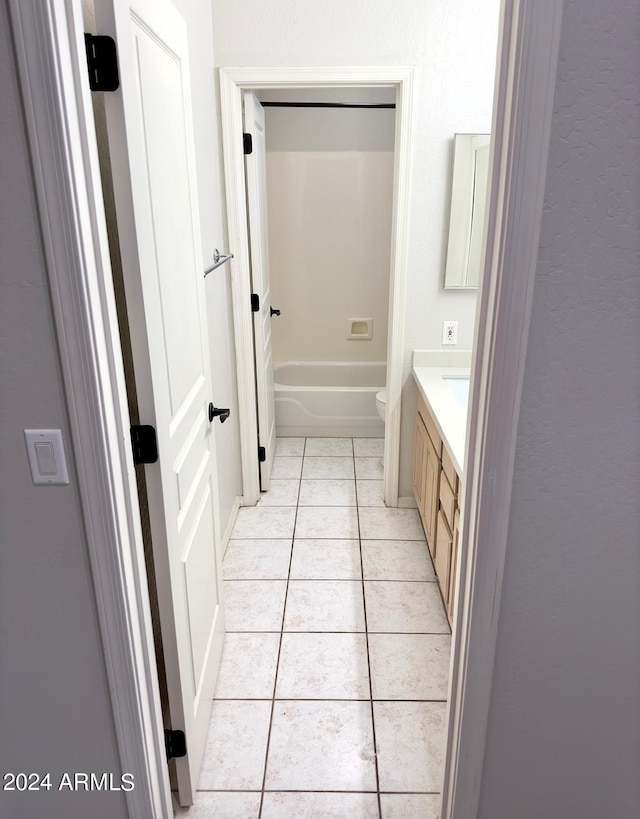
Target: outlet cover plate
449	332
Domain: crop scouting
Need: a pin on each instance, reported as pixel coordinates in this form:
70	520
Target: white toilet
381	406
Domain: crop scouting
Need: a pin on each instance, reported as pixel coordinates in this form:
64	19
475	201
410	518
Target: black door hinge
102	62
144	444
262	454
174	743
247	143
255	302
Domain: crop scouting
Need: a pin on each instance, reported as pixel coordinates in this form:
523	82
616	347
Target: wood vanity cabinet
436	488
426	470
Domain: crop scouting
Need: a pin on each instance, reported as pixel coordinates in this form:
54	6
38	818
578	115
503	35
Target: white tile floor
331	697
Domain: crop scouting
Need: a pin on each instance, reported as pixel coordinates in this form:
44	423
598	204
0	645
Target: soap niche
360	329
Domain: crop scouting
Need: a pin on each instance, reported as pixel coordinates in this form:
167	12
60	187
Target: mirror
468	202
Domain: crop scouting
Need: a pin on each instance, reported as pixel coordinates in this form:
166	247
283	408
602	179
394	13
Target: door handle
274	312
222	414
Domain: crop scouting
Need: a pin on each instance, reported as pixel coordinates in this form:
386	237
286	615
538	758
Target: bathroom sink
459	388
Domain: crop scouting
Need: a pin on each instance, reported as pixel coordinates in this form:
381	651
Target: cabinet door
419	465
444	547
432	482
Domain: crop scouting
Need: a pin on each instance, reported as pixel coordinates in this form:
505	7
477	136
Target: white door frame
47	35
233	81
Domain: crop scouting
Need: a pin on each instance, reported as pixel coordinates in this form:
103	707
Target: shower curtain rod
328	104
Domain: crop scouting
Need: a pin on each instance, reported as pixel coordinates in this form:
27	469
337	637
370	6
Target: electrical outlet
449	332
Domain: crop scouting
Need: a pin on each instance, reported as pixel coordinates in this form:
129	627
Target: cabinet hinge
247	143
174	743
102	62
144	444
262	454
255	302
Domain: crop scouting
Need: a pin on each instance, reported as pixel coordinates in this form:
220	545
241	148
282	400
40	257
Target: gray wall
55	711
564	726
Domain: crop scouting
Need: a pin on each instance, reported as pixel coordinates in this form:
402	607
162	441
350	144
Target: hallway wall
564	724
55	708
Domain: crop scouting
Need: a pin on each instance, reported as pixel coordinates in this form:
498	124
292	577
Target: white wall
329	196
564	725
55	710
197	14
452	46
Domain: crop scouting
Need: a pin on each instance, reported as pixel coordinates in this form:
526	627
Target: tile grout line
284	611
328	790
366	637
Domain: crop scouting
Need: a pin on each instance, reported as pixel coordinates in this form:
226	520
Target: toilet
381	404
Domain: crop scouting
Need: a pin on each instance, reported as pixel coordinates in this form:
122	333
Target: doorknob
274	312
214	412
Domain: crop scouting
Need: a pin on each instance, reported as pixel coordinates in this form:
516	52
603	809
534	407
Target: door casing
57	107
233	82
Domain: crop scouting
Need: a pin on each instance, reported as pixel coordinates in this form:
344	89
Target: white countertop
450	415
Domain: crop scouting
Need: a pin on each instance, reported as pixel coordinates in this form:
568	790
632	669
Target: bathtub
328	398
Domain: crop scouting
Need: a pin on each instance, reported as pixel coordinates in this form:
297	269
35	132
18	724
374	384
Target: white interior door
152	154
257	205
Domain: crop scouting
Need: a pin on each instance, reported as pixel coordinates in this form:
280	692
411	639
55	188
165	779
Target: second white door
256	177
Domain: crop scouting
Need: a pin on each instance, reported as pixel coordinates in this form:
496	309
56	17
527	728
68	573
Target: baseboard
408	502
231	523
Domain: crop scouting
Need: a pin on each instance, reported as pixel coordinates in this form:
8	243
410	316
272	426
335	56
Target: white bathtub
328	398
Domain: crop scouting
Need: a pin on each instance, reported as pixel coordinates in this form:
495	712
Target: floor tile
321	746
254	605
369	468
326	560
410	737
328	467
257	560
264	522
281	493
289	446
368	447
327	521
328	492
212	805
396	560
409	666
396	606
248	667
369	493
414	805
286	466
236	745
324	605
320	806
390	524
323	666
329	446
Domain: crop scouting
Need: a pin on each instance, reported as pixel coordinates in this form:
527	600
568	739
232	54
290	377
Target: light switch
46	459
46	456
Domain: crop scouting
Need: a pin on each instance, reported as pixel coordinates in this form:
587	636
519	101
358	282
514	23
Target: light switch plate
46	456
